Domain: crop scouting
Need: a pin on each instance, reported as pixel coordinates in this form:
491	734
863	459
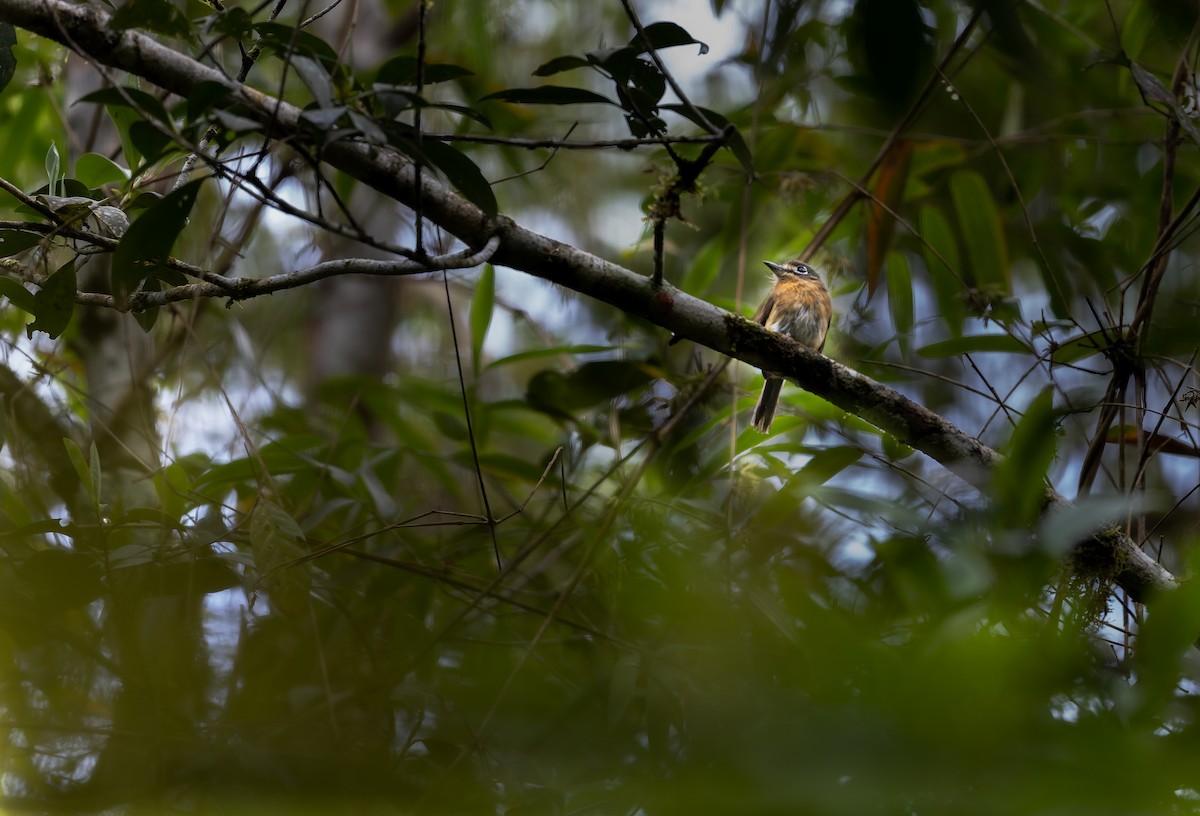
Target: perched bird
798	305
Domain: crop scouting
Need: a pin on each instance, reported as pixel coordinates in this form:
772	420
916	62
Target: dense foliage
455	539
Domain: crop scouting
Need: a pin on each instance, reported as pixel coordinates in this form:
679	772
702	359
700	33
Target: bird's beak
774	267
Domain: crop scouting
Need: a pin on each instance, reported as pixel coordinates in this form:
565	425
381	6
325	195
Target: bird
800	307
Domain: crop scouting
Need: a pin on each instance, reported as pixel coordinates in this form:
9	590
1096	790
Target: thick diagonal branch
85	28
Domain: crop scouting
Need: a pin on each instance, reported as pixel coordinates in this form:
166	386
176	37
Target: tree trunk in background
153	619
353	317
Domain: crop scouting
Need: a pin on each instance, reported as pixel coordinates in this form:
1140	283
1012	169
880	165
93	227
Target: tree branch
85	28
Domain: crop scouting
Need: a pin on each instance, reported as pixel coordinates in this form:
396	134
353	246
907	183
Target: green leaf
96	171
146	318
147	244
559	64
537	353
285	40
315	78
149	140
665	35
402	70
8	60
827	463
129	97
54	303
53	169
942	261
482	302
591	384
900	297
549	95
982	230
234	22
1020	480
18	295
463	173
737	145
974	343
86	468
203	96
1079	348
159	16
276	540
13	242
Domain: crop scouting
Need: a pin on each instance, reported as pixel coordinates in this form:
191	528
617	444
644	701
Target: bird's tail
764	411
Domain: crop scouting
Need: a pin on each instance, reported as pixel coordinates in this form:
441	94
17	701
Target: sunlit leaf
96	171
463	173
315	78
538	353
827	463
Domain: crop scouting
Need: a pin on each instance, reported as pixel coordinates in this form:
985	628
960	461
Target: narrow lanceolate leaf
827	463
945	271
481	313
981	230
737	145
549	95
900	297
87	471
402	70
1020	478
463	173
